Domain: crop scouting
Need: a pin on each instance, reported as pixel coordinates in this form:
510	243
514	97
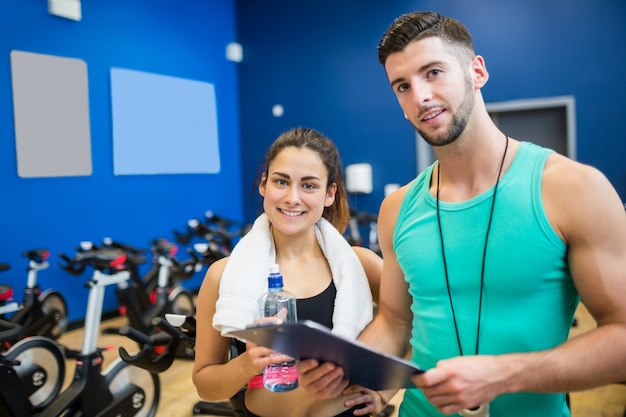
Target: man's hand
321	381
462	382
366	401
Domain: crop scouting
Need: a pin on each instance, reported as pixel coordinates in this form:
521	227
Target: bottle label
281	377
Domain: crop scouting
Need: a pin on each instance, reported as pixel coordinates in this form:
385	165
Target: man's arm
390	331
588	214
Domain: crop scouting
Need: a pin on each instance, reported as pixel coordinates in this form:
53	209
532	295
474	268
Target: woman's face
294	190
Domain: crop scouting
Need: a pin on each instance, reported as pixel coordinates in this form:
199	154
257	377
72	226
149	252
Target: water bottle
280	377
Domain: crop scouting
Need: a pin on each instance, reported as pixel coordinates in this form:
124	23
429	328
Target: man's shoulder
394	200
565	171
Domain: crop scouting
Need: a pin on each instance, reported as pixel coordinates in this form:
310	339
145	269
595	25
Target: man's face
434	90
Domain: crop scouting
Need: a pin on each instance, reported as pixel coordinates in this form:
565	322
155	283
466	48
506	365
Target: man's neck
470	165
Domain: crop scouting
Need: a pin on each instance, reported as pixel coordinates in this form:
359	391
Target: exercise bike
169	296
7	305
120	390
218	235
32	372
41	313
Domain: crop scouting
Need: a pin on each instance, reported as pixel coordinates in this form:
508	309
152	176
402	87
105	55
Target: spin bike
223	232
32	372
120	390
41	313
169	296
163	280
7	305
218	236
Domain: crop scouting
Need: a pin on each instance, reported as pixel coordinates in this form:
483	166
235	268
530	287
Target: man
488	251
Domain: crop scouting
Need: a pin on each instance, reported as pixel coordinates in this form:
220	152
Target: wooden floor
178	394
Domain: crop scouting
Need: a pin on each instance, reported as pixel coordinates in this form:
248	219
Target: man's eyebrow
420	70
398	80
433	64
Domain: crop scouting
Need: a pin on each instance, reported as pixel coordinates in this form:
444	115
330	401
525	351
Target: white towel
244	280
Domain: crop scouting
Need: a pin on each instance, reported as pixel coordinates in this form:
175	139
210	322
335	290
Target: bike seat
6	292
37	255
99	258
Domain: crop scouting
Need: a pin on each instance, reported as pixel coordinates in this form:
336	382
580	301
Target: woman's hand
370	402
259	357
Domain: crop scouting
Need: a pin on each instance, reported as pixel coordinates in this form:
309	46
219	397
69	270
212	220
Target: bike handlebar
187	338
136	335
9	330
147	358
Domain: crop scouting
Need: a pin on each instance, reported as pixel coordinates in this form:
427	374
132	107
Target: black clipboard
310	340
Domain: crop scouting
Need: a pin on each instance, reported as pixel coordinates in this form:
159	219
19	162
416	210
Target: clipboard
307	339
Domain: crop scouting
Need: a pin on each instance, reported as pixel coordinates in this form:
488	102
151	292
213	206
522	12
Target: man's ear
479	72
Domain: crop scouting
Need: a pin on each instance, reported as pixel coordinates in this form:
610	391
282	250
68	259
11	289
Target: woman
305	209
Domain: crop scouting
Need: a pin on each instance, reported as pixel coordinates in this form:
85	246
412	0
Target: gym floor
178	394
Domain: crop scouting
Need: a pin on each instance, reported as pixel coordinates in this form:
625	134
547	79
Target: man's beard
458	123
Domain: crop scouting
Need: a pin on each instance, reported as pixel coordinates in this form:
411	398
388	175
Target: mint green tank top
529	298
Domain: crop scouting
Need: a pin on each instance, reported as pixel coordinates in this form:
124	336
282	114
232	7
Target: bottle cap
275	279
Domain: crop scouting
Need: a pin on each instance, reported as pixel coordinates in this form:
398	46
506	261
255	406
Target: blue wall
319	60
179	38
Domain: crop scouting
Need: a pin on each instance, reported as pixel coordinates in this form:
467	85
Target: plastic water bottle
281	304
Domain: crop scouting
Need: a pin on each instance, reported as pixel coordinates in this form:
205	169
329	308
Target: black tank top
318	308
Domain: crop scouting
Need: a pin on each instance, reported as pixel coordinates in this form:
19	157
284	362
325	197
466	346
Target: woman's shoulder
366	254
372	264
209	289
215	271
